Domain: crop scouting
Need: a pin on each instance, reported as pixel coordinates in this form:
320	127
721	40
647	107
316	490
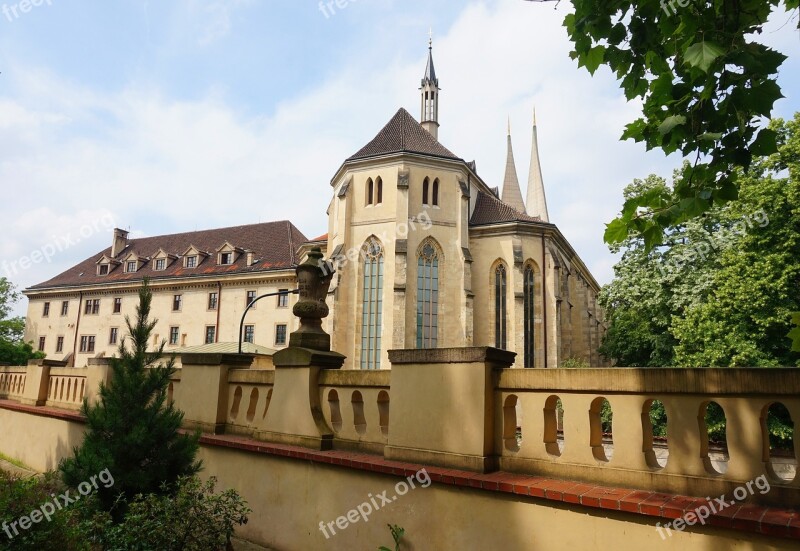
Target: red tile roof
403	134
491	210
273	245
323	237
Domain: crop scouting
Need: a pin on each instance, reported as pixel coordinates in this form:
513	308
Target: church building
428	255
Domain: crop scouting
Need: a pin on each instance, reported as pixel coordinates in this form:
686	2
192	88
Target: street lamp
253	303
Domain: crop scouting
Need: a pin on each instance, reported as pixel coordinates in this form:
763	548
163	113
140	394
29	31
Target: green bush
187	517
18	498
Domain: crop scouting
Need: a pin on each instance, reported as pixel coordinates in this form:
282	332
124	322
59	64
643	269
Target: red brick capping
769	521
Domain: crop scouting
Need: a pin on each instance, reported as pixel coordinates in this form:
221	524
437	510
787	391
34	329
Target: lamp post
253	302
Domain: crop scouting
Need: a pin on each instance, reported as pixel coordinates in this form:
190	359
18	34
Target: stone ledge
451	355
768	521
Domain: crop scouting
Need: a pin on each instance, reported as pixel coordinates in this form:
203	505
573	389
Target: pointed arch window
428	295
370	191
378	191
529	311
372	304
426	183
500	307
435	193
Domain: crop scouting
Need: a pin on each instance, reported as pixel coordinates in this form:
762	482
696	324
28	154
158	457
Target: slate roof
403	134
491	210
273	245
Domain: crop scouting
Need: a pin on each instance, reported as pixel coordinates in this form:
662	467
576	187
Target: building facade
427	255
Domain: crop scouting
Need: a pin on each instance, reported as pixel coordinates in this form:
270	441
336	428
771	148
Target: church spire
512	196
537	202
429	96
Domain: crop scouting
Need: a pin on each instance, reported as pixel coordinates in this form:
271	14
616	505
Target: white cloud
162	164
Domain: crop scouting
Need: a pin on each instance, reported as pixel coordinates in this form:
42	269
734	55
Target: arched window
428	294
370	191
435	194
425	185
372	304
500	307
378	191
529	311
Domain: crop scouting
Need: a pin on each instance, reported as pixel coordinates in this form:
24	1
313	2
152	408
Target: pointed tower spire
512	196
429	97
537	201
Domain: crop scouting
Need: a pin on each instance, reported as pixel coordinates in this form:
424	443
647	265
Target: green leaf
616	231
766	143
670	123
702	55
711	136
594	58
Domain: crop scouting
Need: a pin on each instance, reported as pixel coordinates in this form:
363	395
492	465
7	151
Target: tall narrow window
60	345
500	310
427	296
435	193
65	308
425	185
46	310
372	303
211	334
249	333
378	191
528	296
370	191
41	344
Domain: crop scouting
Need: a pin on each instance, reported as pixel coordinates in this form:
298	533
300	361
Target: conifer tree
133	430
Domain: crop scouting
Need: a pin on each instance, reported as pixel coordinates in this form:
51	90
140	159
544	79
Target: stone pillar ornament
295	413
313	281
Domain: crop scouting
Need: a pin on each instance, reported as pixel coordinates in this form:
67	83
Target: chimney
119	243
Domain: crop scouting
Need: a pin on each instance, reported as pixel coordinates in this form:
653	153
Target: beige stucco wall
192	319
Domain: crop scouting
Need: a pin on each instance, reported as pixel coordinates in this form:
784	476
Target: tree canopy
706	83
721	289
13	349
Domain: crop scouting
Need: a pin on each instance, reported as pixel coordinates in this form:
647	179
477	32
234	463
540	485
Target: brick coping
769	521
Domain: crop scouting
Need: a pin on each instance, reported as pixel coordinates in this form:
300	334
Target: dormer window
131	266
226	259
191	261
102	269
160	264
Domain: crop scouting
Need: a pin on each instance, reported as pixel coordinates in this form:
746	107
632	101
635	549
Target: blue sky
174	116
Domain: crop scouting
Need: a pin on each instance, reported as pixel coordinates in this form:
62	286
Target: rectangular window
92	307
102	269
191	261
211	334
59	344
112	337
249	333
213	301
41	344
251	296
177	303
87	343
280	334
46	310
131	266
283	300
226	258
173	335
161	264
65	308
117	305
